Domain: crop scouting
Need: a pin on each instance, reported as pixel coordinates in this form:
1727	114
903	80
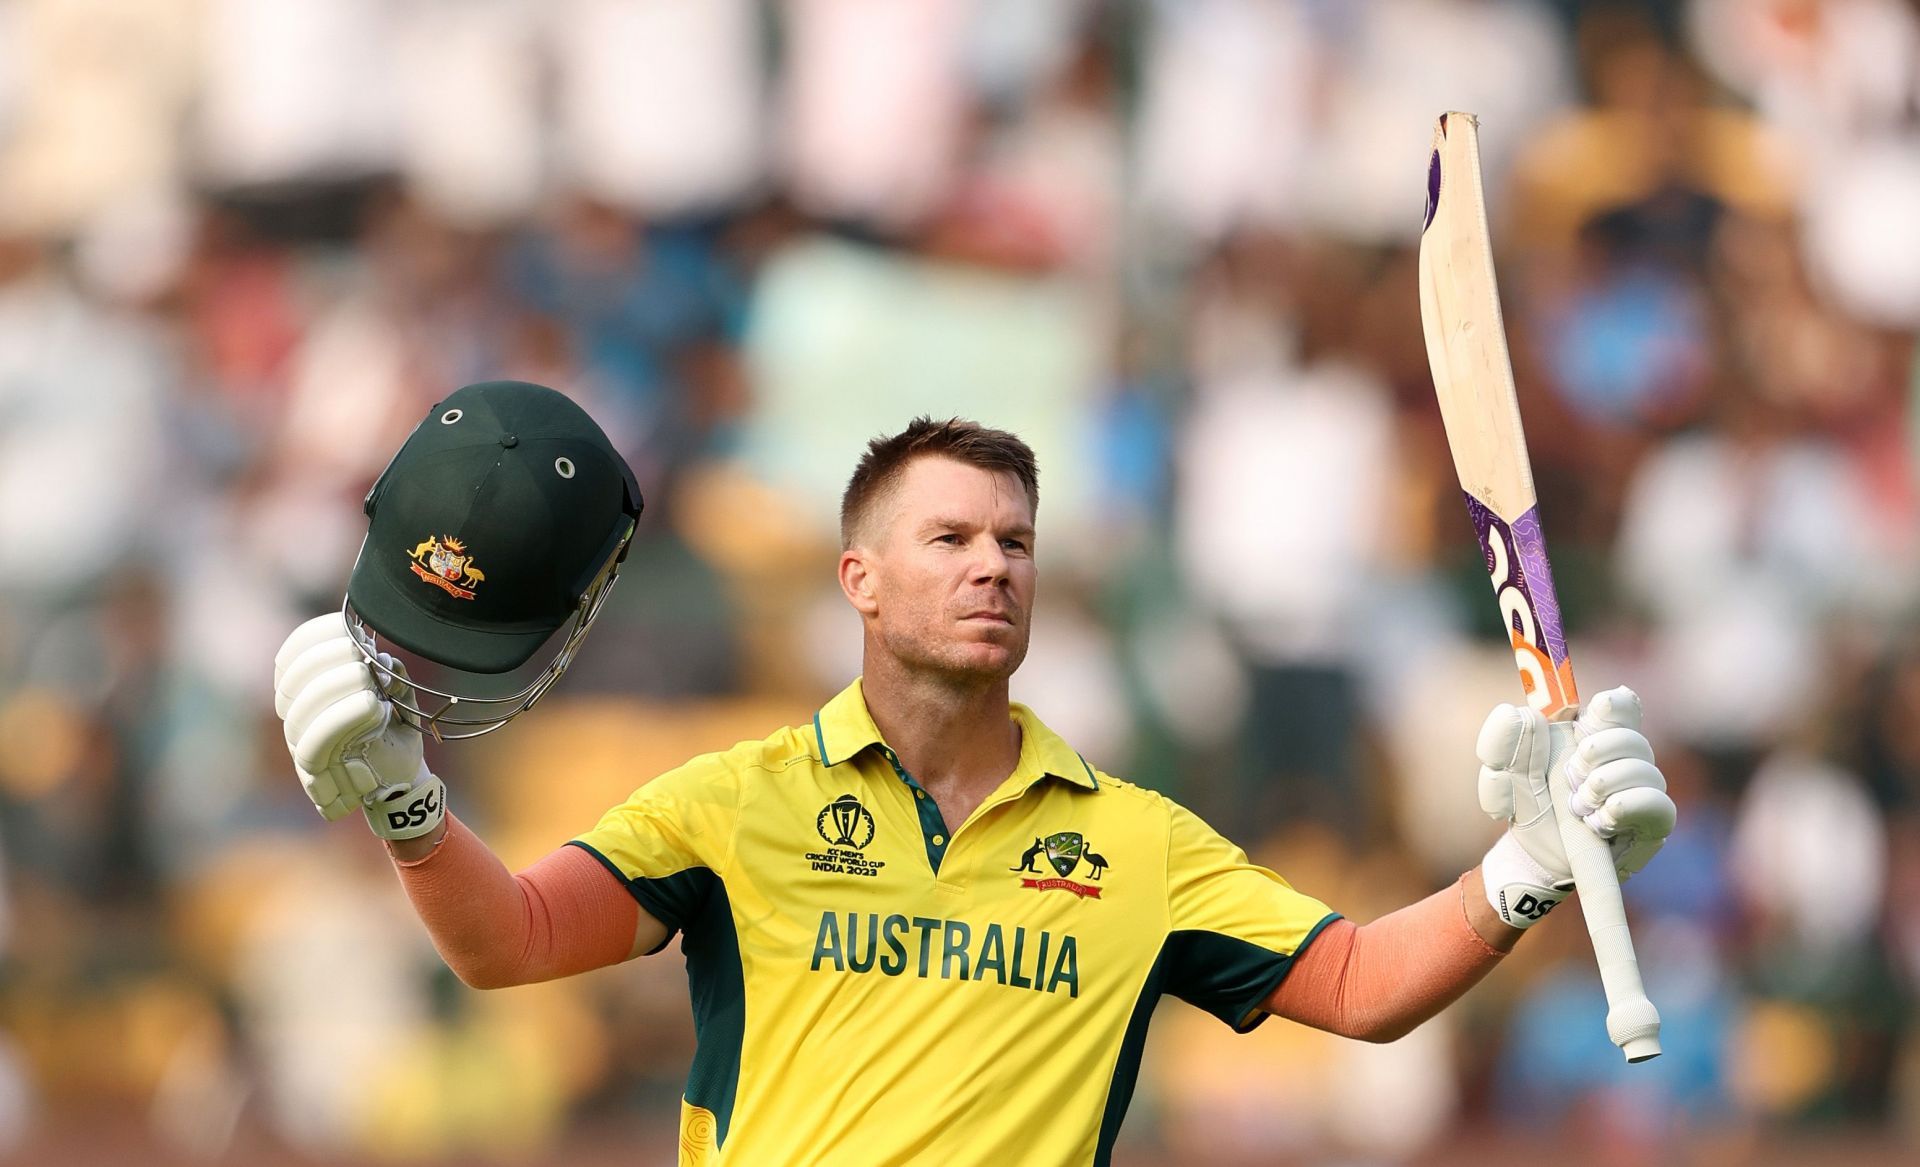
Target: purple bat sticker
1523	584
1433	187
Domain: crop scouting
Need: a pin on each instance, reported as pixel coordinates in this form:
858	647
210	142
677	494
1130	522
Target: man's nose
990	562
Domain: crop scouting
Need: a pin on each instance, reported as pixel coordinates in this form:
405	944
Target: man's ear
857	581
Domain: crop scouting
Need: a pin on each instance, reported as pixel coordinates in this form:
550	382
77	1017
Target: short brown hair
956	438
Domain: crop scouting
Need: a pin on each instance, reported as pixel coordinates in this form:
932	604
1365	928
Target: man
896	944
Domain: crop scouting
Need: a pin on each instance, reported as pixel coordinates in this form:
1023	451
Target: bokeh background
245	244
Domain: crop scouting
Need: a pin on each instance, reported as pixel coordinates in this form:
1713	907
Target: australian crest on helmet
445	563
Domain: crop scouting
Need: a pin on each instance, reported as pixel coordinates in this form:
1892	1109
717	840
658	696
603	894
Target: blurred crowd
245	245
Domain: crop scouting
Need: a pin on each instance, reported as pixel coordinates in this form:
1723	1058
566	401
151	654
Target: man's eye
1013	544
949	537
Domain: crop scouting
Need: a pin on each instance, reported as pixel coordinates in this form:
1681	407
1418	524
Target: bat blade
1473	379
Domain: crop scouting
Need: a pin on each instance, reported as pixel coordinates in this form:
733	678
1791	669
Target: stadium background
245	244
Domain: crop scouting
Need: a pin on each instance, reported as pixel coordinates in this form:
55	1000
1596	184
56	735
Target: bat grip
1632	1021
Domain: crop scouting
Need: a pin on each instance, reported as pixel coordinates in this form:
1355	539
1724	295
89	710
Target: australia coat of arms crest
445	563
1064	852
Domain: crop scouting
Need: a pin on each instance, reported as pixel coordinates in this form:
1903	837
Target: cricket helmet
505	514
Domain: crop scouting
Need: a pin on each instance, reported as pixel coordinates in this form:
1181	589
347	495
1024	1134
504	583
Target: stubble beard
956	664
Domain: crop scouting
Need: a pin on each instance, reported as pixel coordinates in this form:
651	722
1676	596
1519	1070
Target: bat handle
1632	1021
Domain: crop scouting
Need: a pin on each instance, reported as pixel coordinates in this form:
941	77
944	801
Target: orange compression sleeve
1378	981
564	915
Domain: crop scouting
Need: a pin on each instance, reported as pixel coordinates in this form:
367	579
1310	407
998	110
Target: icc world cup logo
845	823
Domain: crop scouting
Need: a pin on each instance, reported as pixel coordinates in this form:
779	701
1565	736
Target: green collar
843	728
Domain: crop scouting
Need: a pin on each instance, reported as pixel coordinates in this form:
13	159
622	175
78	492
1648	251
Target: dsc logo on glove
416	811
1528	907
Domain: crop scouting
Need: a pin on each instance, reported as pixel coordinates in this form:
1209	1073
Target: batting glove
1613	787
350	747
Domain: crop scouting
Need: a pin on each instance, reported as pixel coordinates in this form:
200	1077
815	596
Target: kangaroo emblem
1029	855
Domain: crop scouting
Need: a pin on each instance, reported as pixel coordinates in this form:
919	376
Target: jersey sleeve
1234	927
669	841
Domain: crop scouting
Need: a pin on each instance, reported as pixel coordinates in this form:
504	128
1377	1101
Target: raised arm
1378	981
565	914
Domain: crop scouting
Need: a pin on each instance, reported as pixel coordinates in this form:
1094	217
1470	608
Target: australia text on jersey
1017	958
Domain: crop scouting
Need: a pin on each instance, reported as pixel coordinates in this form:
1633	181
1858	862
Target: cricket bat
1473	377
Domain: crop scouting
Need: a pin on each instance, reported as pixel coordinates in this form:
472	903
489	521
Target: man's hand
1614	788
349	746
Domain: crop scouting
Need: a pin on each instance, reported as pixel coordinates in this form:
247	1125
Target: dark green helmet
505	514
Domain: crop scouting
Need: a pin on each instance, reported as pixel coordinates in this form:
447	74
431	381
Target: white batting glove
1614	788
350	748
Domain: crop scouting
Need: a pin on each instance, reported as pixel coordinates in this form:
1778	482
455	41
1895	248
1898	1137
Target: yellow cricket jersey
871	986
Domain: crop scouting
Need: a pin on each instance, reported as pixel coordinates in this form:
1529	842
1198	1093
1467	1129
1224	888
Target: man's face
944	572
